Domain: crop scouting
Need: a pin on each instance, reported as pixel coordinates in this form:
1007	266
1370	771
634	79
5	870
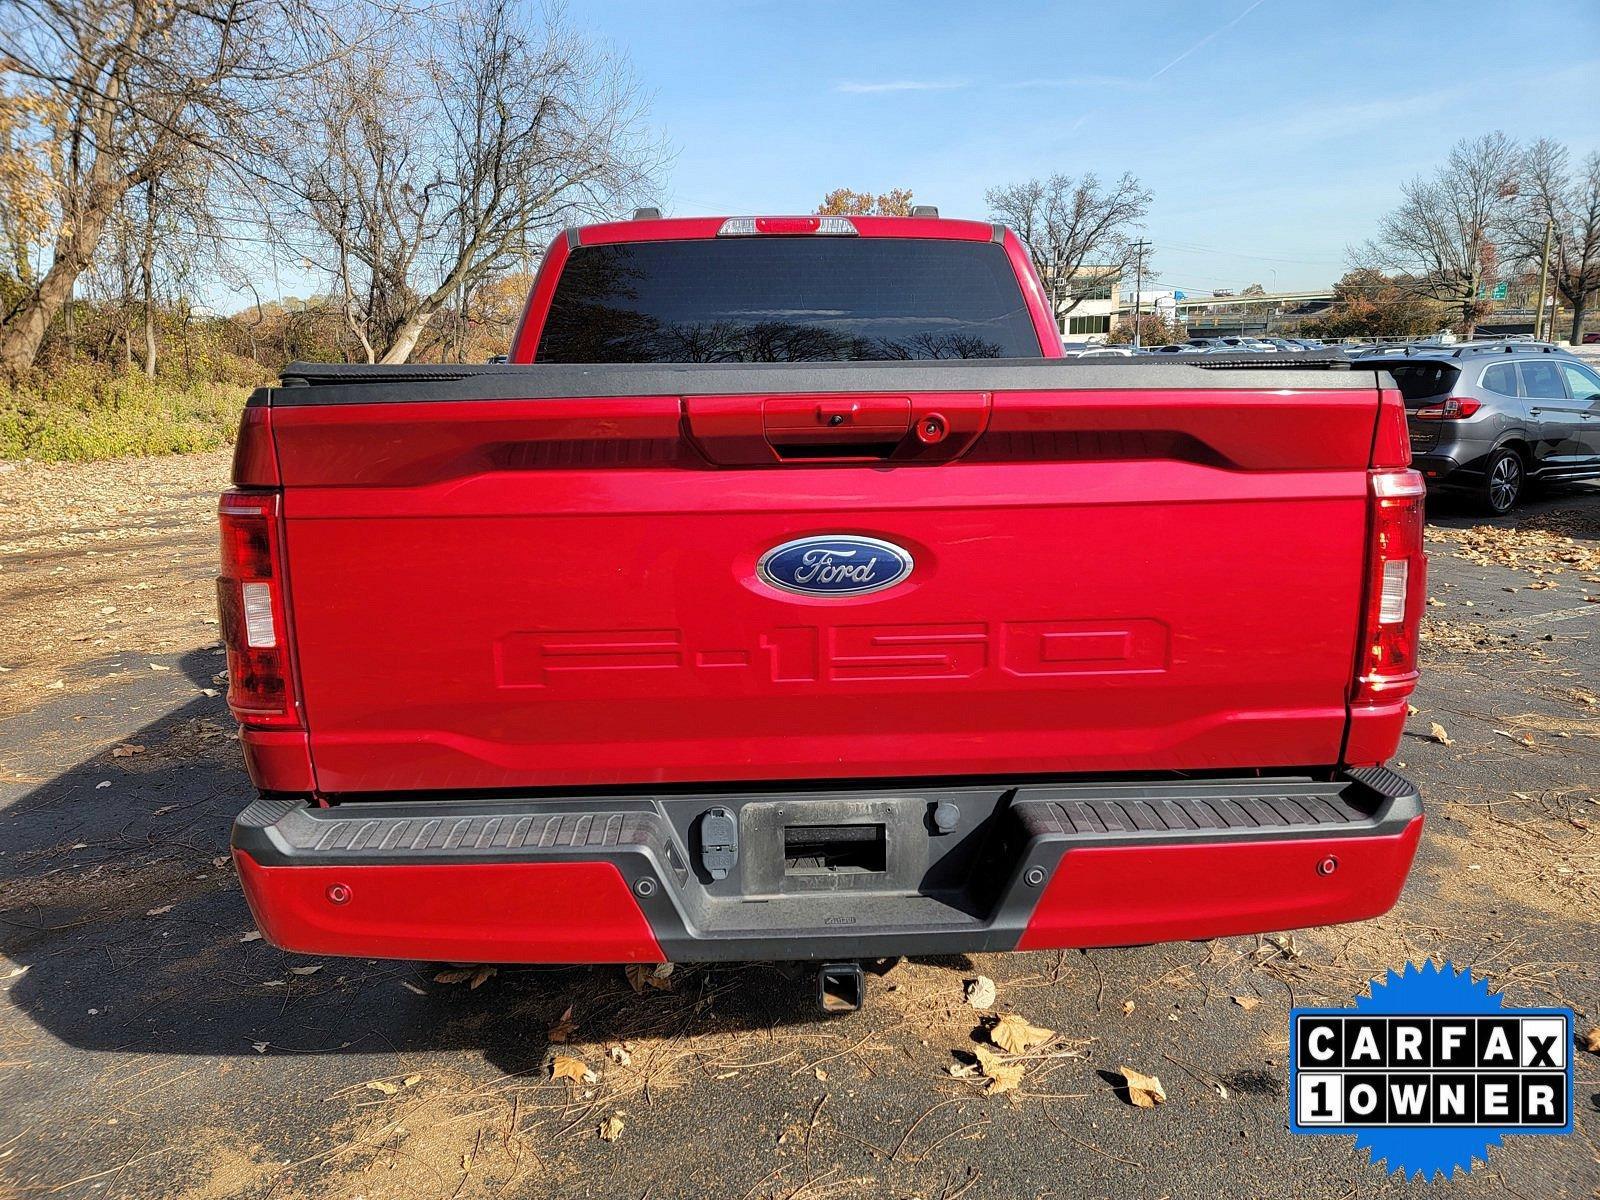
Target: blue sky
1274	133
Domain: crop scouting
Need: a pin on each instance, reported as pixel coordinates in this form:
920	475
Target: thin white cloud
902	85
1155	75
1220	29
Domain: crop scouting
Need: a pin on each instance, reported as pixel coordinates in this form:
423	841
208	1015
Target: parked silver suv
1489	418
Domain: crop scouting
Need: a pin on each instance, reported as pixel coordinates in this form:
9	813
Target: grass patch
83	412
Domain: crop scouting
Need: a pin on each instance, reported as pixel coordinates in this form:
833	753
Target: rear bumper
1027	867
1438	469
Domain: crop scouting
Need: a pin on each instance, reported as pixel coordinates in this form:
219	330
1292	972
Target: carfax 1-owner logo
1430	1070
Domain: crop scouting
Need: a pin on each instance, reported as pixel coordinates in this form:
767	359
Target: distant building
1093	293
1163	302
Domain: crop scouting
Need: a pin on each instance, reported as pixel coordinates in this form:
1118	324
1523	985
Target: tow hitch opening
841	987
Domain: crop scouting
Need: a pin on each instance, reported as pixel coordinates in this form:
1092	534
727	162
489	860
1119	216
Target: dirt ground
152	1045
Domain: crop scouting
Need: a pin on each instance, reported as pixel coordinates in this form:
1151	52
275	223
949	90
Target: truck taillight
1396	581
251	612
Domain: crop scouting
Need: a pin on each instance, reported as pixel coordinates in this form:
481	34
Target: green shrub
82	411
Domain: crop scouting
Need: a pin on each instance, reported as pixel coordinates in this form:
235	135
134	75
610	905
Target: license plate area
835	849
834	845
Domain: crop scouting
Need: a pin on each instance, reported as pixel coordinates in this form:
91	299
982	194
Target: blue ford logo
834	565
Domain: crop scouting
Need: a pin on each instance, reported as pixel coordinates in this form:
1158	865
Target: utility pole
1138	286
1544	282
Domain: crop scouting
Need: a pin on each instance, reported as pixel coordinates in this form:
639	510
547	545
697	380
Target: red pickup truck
787	596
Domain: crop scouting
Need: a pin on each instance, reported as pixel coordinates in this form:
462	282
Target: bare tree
1439	243
439	159
1552	193
1069	224
124	87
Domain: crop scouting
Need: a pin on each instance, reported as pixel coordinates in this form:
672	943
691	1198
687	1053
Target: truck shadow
1567	510
126	930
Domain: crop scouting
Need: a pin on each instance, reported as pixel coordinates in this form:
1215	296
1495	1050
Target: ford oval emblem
839	564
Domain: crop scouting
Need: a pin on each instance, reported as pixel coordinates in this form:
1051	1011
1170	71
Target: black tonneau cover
307	384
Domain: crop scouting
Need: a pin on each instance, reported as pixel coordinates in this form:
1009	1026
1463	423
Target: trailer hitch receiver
841	988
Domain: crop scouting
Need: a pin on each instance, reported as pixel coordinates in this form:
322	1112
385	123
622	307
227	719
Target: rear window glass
1418	381
787	299
1542	380
1501	378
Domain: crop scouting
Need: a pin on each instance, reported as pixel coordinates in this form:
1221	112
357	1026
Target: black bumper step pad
971	889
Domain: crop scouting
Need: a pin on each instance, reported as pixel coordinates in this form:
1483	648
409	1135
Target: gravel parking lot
152	1045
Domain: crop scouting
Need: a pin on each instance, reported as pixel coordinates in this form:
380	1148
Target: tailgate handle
835	427
855	428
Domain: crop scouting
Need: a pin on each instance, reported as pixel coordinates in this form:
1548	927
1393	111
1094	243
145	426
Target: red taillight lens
251	613
1451	410
1396	581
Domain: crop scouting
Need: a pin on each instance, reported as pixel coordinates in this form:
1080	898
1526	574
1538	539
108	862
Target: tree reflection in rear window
787	299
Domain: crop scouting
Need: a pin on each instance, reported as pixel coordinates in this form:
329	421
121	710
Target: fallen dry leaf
472	976
1525	740
253	936
649	975
412	1080
1002	1076
383	1085
305	970
1437	732
620	1054
1015	1035
572	1069
156	912
981	992
126	750
159	667
563	1028
1144	1091
1286	944
1591	1041
611	1128
1247	1002
260	1047
1128	1006
481	976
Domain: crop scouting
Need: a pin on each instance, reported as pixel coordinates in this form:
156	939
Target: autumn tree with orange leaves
842	202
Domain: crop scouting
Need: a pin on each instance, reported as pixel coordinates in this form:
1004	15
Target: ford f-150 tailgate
552	576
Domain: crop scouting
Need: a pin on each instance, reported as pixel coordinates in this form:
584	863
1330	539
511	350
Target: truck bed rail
306	384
